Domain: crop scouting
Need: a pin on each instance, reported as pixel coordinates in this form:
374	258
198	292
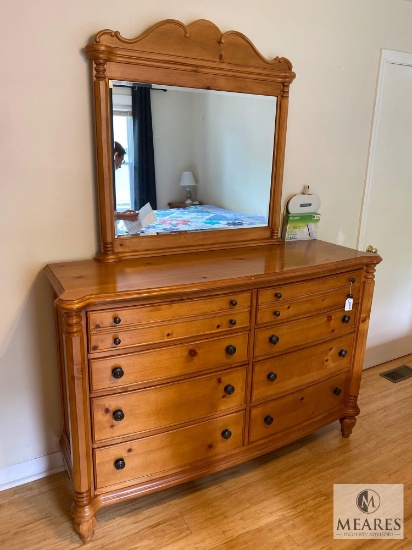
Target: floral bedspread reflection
196	218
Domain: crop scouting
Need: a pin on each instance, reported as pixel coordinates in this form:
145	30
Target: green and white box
300	227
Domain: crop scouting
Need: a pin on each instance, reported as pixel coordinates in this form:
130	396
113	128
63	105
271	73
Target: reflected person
119	153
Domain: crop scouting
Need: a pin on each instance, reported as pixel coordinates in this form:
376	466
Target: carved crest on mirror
226	106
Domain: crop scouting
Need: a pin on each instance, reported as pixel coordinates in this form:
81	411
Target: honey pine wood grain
113	289
179	289
79	281
195	56
283	500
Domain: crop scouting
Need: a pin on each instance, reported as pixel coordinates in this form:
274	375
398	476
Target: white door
387	213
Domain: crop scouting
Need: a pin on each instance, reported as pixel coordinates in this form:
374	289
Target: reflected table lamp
187	180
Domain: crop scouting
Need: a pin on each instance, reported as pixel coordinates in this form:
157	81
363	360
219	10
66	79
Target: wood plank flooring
280	501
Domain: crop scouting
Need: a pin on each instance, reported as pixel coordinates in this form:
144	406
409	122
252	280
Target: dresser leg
347	424
83	516
352	410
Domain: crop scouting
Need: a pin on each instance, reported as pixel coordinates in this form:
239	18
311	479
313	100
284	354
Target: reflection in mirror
224	139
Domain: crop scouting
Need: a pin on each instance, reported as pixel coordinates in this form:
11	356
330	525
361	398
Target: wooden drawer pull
272	376
337	391
118	415
117	372
229	389
119	464
268	420
226	434
230	350
117	320
273	339
343	353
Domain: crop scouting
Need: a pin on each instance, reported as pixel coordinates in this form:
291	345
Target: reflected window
123	133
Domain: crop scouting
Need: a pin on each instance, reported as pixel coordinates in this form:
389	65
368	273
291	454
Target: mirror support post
104	150
278	161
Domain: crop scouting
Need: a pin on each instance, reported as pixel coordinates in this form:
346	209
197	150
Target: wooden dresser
181	352
178	366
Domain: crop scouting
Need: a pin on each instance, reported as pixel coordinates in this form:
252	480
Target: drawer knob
352	280
233	303
273	339
230	350
117	320
117	372
272	376
232	322
226	434
337	391
278	295
229	389
268	420
343	353
346	319
118	415
119	464
276	313
116	341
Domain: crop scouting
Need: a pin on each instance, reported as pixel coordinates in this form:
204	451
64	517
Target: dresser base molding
258	356
85	507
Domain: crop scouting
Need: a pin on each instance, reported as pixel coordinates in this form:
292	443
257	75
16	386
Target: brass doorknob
371	248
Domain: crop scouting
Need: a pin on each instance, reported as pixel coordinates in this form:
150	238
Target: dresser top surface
80	283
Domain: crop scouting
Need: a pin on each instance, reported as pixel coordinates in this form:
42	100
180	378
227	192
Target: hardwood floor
281	501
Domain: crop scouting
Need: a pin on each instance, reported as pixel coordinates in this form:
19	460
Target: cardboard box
300	227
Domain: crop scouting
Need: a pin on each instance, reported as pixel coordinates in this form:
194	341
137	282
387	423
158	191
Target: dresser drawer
296	408
160	406
283	293
285	373
285	309
168	362
126	316
164	452
167	332
276	339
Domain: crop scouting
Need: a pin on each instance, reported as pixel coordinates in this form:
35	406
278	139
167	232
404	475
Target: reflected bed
195	218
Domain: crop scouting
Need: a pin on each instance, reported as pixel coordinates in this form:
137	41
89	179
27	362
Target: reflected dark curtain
144	169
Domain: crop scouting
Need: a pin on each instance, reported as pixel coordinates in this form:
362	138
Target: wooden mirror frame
195	56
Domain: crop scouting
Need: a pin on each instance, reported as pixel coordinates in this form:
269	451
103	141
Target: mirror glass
202	159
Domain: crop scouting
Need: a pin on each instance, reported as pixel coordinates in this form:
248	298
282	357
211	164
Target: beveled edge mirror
198	56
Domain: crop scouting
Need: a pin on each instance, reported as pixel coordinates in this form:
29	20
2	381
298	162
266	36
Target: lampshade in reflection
187	180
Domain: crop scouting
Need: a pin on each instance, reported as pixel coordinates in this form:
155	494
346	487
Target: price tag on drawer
349	299
349	304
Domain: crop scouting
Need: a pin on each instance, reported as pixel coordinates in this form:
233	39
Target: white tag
348	304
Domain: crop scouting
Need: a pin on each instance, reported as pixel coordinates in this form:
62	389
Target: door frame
388	57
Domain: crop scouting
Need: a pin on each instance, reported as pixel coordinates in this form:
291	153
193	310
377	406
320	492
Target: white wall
171	112
225	140
47	159
234	151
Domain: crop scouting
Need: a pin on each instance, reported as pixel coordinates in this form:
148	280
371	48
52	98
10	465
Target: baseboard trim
18	474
